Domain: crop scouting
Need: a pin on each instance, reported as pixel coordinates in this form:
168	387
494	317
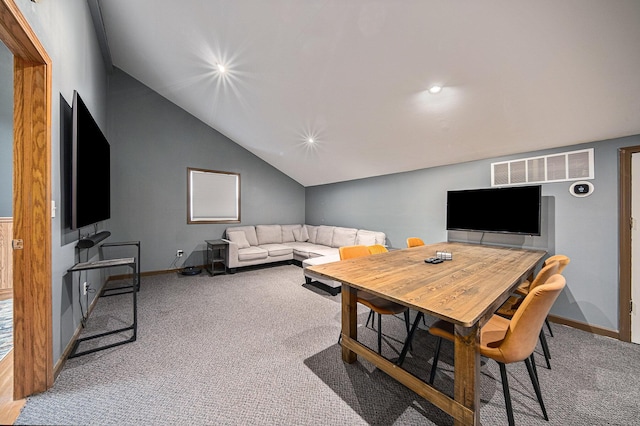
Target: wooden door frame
624	321
32	322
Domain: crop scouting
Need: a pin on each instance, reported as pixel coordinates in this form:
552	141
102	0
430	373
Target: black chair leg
436	355
533	363
369	318
507	395
546	321
536	387
380	333
545	349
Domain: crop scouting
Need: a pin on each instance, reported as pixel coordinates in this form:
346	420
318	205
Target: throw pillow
301	234
325	235
239	238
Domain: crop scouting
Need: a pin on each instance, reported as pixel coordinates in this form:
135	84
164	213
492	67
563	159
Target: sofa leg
232	270
307	280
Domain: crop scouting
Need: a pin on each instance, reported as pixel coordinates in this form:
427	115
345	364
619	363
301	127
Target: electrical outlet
179	253
85	287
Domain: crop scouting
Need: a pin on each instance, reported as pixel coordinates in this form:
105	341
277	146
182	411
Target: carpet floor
6	326
260	347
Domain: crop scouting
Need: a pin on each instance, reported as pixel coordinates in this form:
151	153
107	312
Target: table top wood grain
463	290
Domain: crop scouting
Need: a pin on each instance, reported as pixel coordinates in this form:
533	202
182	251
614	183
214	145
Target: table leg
467	370
349	320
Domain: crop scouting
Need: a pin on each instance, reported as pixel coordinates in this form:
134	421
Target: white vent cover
573	165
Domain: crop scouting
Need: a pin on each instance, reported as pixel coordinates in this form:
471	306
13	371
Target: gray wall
414	204
65	29
152	143
6	131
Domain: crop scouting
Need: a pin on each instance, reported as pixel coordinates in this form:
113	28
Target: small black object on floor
191	270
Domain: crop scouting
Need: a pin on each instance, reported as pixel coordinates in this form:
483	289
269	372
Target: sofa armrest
232	254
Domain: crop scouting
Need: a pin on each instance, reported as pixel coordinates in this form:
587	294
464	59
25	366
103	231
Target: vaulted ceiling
353	75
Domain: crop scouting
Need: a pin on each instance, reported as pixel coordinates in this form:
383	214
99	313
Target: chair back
351	252
561	259
414	242
525	326
377	248
549	269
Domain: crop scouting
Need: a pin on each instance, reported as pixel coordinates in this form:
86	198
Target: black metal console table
110	263
113	291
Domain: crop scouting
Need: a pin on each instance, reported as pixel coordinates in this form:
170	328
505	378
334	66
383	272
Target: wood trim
17	35
33	347
6	255
585	327
6	293
624	223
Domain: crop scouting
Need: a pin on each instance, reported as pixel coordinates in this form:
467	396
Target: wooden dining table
465	291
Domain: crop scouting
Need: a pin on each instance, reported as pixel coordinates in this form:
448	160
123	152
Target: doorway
635	246
32	361
6	200
626	231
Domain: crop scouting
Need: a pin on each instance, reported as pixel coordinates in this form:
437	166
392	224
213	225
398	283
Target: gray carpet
6	326
258	347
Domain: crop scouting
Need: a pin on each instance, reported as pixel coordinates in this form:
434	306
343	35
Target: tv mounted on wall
512	210
90	169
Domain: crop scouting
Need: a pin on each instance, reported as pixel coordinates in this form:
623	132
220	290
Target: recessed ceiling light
222	69
435	89
310	140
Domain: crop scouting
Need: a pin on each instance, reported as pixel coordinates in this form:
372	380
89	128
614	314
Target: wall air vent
564	166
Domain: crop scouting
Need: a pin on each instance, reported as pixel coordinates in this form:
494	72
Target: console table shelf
135	273
112	291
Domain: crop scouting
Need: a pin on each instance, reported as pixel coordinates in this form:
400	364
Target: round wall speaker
581	189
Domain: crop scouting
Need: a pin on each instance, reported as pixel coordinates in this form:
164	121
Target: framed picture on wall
212	196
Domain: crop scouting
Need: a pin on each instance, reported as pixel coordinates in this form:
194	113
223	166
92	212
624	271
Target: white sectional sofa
261	244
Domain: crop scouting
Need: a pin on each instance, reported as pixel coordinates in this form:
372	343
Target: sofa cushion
288	231
369	238
252	253
249	232
325	235
313	233
238	237
301	248
277	249
343	237
301	234
269	234
320	251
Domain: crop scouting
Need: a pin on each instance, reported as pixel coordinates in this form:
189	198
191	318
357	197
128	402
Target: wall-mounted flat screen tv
90	169
511	210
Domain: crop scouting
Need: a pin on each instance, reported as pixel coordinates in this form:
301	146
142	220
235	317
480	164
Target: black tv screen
512	210
90	169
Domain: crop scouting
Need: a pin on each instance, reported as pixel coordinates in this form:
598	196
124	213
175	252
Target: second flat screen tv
512	210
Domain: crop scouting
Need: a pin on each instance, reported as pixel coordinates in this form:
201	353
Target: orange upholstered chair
523	289
414	242
563	261
376	304
509	308
507	341
377	248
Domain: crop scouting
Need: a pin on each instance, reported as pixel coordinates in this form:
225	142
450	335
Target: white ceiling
519	76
